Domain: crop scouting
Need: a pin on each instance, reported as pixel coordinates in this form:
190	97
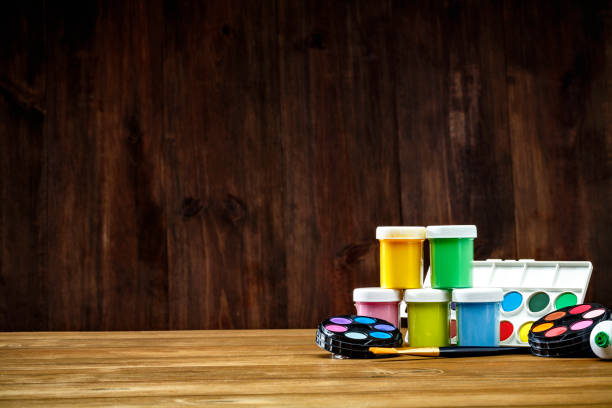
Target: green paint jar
452	254
428	323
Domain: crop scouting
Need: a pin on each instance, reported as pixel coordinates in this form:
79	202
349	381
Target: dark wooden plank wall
225	164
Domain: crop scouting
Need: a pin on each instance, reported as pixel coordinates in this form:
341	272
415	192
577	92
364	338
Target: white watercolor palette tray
531	290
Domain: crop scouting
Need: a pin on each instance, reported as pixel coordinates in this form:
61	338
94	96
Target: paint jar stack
401	269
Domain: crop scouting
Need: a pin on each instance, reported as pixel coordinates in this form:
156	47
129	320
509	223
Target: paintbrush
449	351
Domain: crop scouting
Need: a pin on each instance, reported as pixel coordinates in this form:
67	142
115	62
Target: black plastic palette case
352	336
566	332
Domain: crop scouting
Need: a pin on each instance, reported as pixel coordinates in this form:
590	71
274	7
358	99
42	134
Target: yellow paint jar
401	256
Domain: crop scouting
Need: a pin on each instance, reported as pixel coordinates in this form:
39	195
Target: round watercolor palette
578	351
566	331
578	348
352	336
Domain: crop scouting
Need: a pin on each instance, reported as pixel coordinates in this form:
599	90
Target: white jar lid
475	295
400	233
451	231
376	295
426	295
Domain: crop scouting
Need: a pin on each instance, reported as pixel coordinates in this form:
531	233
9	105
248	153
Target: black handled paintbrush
458	351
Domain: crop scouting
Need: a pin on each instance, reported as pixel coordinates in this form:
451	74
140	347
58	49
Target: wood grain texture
196	165
23	175
341	177
451	101
273	368
107	234
559	107
223	167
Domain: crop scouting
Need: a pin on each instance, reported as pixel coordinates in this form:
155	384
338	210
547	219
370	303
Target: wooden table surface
272	368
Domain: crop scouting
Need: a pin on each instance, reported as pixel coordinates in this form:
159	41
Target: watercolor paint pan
346	352
346	349
324	341
353	335
568	323
559	345
583	351
570	338
566	337
532	289
571	342
358	331
574	349
561	349
566	332
579	346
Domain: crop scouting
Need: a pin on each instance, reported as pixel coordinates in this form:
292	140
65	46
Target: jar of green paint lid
428	323
451	254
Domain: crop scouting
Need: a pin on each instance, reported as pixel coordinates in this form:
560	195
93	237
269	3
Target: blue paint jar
478	316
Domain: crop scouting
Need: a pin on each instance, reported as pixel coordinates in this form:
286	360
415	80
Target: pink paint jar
378	302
